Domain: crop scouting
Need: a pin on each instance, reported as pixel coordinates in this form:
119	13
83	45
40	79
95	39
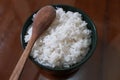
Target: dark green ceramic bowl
74	67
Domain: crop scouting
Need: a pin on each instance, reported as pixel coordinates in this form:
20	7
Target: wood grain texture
103	65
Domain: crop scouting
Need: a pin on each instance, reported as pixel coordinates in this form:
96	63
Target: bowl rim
77	65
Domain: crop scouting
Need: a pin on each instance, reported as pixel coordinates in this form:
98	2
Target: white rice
66	42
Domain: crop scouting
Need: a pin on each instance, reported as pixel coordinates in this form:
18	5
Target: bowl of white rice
68	42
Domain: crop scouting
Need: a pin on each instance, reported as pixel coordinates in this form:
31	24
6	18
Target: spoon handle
18	69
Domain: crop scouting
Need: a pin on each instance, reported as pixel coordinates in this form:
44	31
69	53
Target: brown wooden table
103	65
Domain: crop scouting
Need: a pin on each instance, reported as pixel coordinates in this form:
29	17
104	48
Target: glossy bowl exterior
64	71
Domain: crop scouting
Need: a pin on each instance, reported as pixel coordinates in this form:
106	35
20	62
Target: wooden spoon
42	21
